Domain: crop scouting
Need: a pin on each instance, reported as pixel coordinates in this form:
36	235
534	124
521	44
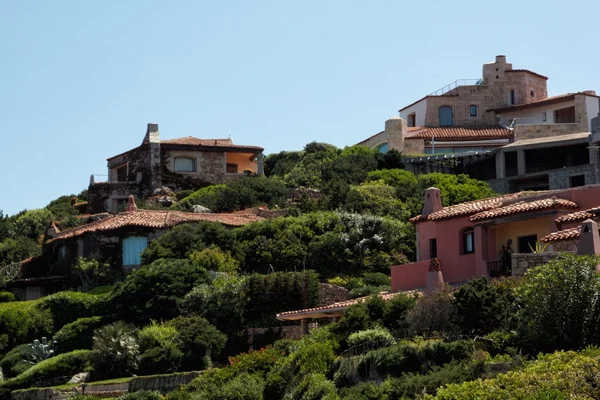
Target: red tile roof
566	234
339	306
409	129
525	207
579	215
155	219
526	71
442	133
194	141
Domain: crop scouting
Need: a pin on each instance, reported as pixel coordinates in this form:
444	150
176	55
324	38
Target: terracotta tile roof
155	219
566	234
550	100
477	206
527	71
525	207
579	215
442	133
339	306
409	130
194	141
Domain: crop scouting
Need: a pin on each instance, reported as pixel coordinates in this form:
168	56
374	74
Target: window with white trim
184	164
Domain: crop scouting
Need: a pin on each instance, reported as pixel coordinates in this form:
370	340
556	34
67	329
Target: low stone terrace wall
521	262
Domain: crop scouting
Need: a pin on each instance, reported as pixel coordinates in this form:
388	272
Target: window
577	180
232	168
89	245
62	253
511	97
383	148
185	164
473	110
564	116
527	243
544	116
132	249
412	119
122	173
446	116
468	241
432	248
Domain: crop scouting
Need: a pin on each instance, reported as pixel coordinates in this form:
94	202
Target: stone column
521	167
500	165
260	161
304	325
589	239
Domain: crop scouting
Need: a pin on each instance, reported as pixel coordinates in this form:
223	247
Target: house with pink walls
477	238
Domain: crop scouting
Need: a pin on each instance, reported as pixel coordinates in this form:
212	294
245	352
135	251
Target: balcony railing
455	84
497	269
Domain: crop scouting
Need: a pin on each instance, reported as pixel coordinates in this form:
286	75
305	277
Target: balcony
497	269
453	85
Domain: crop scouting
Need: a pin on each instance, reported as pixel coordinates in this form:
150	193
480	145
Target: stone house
118	239
487	237
182	163
502	128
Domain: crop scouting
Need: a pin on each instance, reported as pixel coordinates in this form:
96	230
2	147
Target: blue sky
81	79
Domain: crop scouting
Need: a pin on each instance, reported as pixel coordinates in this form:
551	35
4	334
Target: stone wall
100	194
521	262
559	178
534	131
162	383
570	246
329	294
40	394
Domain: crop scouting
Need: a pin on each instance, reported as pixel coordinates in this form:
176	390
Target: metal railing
497	268
455	84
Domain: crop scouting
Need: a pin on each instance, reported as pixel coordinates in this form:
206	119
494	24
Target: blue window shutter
132	249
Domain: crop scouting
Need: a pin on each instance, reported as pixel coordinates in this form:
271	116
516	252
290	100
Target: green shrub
206	197
101	290
14	362
378	336
141	395
159	348
377	279
213	259
364	391
6	297
22	322
242	387
115	351
152	292
53	371
256	362
315	387
66	307
433	314
78	334
199	341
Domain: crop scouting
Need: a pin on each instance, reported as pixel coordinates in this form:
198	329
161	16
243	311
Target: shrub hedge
22	322
66	307
77	335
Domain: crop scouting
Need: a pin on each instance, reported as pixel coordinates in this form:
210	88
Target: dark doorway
527	244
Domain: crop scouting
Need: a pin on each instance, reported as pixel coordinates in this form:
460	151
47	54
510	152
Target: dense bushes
376	336
159	349
14	362
66	307
200	341
116	351
22	322
152	292
77	335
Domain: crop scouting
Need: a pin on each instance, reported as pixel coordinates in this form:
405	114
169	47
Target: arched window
185	164
383	148
446	116
468	241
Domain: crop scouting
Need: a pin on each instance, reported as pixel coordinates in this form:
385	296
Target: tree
560	304
115	350
200	341
213	259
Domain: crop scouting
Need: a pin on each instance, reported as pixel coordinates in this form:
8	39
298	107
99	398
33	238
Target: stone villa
502	128
182	163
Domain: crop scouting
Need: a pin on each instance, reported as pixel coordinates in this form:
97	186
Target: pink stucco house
465	241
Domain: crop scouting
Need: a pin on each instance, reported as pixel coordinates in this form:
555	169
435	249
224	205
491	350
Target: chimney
589	239
590	92
131	204
395	129
152	134
435	277
501	59
433	201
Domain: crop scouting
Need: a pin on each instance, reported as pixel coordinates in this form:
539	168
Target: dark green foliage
315	387
53	371
281	163
241	387
364	391
251	191
282	291
377	279
6	297
178	243
163	359
22	322
560	304
199	342
483	307
455	189
152	292
115	351
66	307
17	249
206	197
14	362
77	335
434	314
389	160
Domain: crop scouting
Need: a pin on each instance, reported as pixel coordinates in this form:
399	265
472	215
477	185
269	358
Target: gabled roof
447	133
210	143
330	310
579	215
155	219
561	98
526	71
525	207
566	234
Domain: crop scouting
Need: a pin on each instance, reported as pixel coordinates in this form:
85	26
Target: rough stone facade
329	294
521	262
570	246
162	383
534	131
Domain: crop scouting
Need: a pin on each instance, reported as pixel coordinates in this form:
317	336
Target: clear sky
79	80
